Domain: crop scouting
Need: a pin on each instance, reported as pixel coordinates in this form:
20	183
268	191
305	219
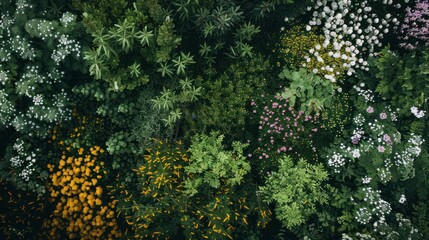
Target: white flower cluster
67	18
55	76
3	77
356	153
405	159
363	215
7	109
41	28
366	180
22	47
5	22
384	175
50	113
28	82
359	120
336	161
417	113
64	48
376	206
376	127
21	5
366	94
21	159
352	27
38	100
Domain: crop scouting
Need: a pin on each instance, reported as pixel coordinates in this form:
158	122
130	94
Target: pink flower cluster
416	26
281	128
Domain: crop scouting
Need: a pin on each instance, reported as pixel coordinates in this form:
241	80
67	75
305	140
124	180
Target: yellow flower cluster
335	118
164	171
80	208
219	217
161	176
301	48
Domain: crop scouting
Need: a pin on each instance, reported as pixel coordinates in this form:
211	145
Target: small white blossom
402	199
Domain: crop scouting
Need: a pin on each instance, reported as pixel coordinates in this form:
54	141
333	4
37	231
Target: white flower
417	113
402	199
38	100
366	180
356	153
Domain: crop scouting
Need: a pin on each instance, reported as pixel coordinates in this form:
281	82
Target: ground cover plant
214	119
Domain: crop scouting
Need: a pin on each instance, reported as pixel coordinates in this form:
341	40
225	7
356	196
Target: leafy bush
211	166
306	91
295	190
407	72
154	210
226	97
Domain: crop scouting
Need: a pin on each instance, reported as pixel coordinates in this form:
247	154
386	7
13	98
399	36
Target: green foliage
402	78
98	14
169	103
296	190
421	218
338	115
212	166
225	98
129	54
162	208
307	91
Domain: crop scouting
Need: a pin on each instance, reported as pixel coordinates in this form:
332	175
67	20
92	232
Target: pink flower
380	149
370	109
383	115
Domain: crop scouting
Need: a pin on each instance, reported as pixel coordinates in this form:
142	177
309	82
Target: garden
214	119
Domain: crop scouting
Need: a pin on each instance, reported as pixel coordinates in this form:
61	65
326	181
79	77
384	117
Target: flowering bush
162	108
376	157
415	28
282	130
301	48
81	209
352	27
154	210
33	53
